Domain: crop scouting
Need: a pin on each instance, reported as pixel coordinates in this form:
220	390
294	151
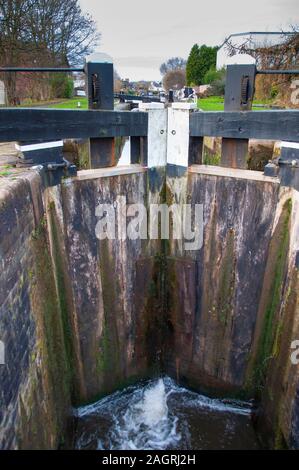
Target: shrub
216	78
274	91
211	76
217	88
62	86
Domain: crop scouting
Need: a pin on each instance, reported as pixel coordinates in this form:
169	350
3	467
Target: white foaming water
154	416
147	424
153	407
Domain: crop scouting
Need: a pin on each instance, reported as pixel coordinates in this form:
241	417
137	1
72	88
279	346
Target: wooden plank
28	124
234	153
109	172
271	125
232	173
102	152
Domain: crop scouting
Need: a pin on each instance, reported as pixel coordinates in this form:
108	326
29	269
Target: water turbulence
161	415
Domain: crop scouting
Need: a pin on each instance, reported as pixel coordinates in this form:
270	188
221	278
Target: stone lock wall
81	317
105	283
34	381
214	292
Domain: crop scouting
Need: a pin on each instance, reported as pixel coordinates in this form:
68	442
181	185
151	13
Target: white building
251	39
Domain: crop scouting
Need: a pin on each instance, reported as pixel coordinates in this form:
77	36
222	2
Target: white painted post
178	134
157	134
178	141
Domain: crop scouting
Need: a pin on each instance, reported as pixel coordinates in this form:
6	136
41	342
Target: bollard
100	91
289	165
271	169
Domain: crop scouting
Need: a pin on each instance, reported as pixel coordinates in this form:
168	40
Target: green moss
40	428
211	159
83	162
268	345
59	266
39	231
277	339
166	195
280	443
56	353
109	358
51	205
105	362
226	280
5	173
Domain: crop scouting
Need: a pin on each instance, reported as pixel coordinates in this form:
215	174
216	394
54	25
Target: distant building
79	86
78	83
253	40
156	87
202	90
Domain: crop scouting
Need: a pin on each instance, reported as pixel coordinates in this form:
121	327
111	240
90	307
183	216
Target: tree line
198	69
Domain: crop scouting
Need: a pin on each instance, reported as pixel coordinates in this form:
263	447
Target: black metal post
239	92
100	92
170	96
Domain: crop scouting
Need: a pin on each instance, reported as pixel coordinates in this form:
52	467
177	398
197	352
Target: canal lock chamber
83	318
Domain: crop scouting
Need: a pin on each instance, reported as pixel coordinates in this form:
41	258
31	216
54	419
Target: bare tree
174	80
43	32
175	63
284	55
61	27
281	55
12	37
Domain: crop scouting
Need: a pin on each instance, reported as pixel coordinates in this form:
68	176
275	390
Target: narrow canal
160	415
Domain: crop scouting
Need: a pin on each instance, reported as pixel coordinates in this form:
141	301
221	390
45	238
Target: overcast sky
140	35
